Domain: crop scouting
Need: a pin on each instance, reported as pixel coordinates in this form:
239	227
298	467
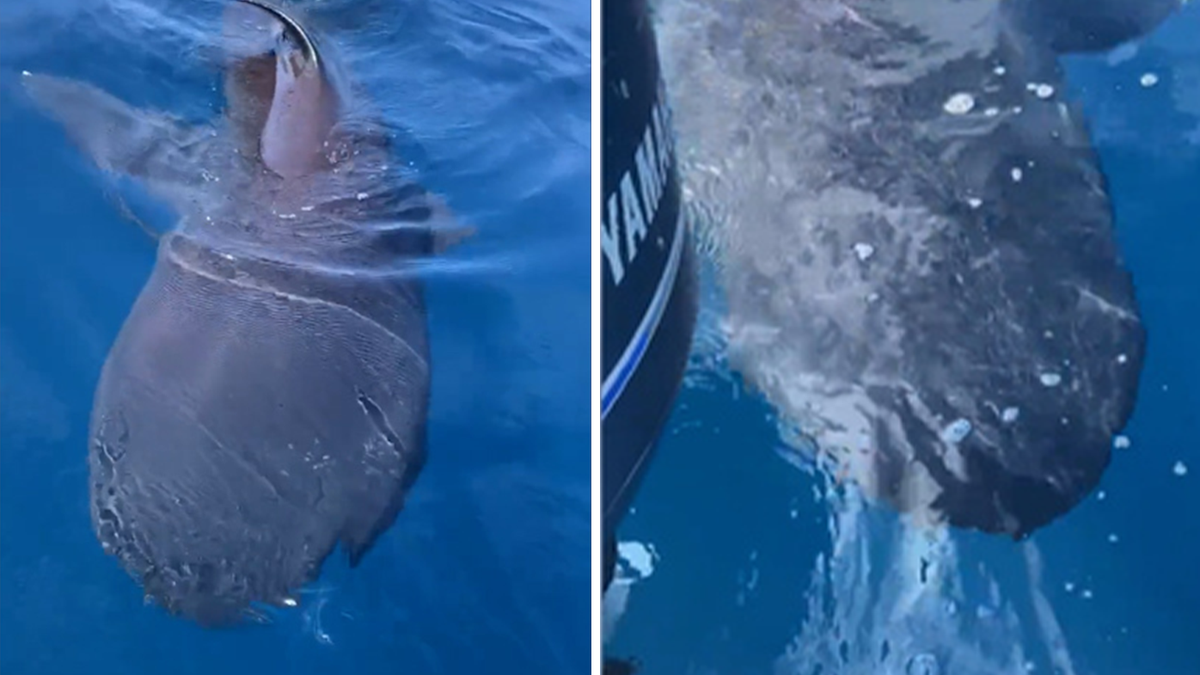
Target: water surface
756	565
488	565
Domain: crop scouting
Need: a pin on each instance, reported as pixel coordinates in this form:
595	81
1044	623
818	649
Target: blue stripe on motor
616	381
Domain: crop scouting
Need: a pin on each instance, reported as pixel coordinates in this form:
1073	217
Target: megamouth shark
266	398
915	240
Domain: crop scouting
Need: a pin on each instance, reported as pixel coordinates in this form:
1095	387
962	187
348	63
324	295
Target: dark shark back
917	249
266	399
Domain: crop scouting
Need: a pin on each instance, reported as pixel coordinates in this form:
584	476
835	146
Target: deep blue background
488	567
737	530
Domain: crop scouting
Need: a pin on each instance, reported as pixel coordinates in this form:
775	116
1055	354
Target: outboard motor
649	292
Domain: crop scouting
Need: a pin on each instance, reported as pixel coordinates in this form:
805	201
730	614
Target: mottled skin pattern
890	266
266	398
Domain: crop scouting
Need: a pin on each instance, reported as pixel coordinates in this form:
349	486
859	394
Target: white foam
959	104
901	585
1051	630
640	557
639	560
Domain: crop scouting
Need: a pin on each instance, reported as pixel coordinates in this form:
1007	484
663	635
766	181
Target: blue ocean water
739	560
488	566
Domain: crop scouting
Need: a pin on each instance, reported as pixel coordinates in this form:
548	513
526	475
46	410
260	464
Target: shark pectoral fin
450	235
445	230
120	139
129	215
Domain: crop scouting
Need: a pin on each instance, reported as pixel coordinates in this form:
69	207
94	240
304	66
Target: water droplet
1017	174
956	431
959	104
1148	80
864	251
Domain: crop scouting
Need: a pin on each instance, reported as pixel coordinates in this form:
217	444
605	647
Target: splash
635	564
893	596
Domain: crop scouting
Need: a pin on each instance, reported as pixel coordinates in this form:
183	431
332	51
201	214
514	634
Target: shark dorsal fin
303	106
